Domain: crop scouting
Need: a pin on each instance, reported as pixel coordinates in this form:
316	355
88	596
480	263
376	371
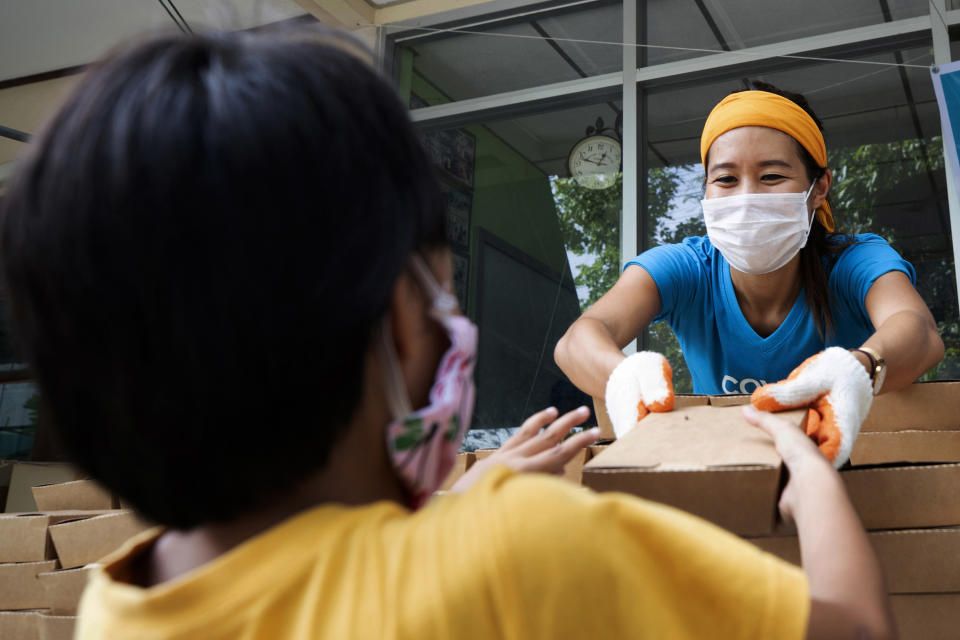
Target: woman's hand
640	384
838	392
533	450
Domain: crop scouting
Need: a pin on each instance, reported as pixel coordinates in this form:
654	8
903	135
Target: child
226	263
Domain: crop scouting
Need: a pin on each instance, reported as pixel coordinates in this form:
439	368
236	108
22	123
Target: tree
590	226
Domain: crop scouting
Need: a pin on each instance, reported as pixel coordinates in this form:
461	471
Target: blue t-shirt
723	352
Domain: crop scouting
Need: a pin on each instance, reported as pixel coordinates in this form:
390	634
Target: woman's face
754	160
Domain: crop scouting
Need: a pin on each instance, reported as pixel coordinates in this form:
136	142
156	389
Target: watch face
880	377
595	162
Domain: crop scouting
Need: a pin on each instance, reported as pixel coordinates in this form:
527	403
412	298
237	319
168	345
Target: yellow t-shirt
517	556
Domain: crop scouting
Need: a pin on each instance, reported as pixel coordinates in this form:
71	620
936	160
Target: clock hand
584	158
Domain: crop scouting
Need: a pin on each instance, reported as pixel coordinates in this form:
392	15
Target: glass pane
18	420
516	53
736	24
883	140
533	247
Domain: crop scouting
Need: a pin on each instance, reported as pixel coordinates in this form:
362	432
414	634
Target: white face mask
758	232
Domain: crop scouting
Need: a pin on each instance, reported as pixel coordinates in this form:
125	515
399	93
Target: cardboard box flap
699	437
80	543
733	400
927	616
63	589
26	475
56	627
913	560
932	406
19	586
682	401
910	445
78	494
23	538
20	625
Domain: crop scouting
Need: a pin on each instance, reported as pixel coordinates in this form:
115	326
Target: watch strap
872	359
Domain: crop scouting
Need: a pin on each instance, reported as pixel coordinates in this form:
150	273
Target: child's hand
809	472
531	450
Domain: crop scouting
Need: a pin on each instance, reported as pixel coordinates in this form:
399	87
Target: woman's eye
725	179
772	176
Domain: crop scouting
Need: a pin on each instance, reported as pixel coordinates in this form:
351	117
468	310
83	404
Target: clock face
595	162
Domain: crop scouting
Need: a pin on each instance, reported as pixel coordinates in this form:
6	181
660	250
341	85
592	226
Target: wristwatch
878	367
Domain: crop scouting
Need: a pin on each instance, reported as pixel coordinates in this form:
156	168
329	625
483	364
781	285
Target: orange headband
765	109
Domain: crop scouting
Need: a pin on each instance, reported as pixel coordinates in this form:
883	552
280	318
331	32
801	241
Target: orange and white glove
836	389
641	383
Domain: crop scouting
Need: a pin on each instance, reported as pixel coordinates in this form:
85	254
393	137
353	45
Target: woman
242	322
768	287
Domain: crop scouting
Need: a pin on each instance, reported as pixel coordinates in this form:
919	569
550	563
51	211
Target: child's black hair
198	250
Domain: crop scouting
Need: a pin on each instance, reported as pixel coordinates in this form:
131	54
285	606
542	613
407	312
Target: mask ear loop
442	306
812	214
396	388
443	303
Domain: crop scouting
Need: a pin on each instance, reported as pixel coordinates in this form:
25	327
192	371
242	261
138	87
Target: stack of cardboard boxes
49	533
903	480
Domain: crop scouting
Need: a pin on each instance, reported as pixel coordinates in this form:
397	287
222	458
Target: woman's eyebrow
723	165
762	163
774	163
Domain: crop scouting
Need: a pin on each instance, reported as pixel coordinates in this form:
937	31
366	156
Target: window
882	131
532	247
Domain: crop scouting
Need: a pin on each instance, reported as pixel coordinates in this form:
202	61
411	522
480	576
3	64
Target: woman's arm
592	346
906	334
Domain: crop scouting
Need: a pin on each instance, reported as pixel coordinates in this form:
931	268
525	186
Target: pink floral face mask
423	444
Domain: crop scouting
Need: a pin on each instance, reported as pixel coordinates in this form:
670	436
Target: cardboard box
24	537
19	586
54	627
78	494
702	459
924	406
26	475
597	449
913	560
573	470
920	423
20	625
901	497
483	454
81	542
62	589
463	462
928	616
907	446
